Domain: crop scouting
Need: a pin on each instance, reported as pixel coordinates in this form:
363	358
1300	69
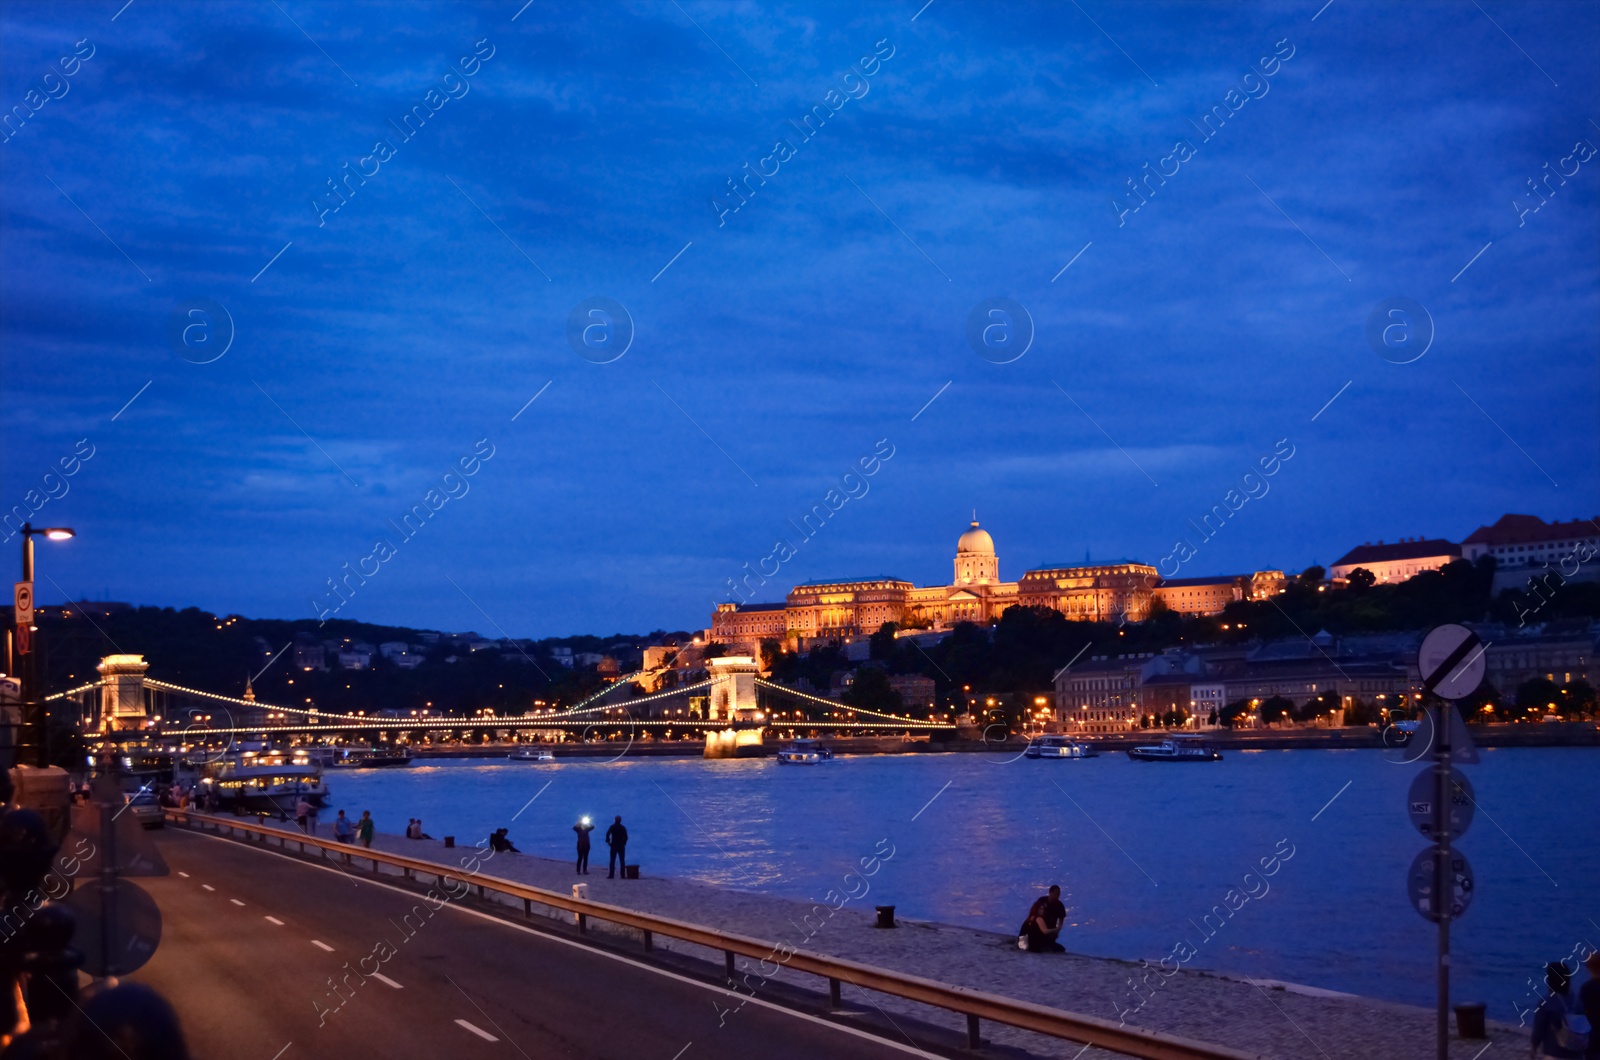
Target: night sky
169	168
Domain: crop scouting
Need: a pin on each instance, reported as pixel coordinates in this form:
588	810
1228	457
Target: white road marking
386	981
235	901
485	1035
701	984
275	920
322	945
185	875
207	886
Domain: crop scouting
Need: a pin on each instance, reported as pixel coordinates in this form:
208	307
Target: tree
1232	711
1312	576
1274	709
1361	579
1536	695
882	643
1361	713
871	691
1578	697
1174	719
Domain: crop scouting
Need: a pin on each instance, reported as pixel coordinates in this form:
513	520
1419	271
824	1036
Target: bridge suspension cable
836	705
52	697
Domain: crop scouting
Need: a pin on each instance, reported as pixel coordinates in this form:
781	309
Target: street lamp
32	735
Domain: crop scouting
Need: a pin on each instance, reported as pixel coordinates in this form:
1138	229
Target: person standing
302	812
583	828
1550	1030
341	828
617	841
311	817
364	828
1589	1004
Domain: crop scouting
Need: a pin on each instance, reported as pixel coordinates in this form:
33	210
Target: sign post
1451	664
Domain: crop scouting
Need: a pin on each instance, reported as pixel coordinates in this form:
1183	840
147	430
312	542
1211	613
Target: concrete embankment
1268	1018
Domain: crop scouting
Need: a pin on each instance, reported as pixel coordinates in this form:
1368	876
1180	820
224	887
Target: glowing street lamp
32	734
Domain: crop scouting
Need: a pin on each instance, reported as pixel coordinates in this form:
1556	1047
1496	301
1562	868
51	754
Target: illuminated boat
1177	749
804	753
263	778
1059	747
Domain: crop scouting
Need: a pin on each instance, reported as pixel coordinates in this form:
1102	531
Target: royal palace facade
852	607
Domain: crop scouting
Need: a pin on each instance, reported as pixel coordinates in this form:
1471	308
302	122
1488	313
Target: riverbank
1273	1019
1564	734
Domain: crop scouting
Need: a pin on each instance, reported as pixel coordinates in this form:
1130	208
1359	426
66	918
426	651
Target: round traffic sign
1451	661
135	931
1419	803
1420	884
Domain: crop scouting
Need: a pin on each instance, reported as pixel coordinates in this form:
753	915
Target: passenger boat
367	757
1177	749
532	754
1059	747
803	753
261	777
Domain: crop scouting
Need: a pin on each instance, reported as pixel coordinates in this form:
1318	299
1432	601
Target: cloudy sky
165	179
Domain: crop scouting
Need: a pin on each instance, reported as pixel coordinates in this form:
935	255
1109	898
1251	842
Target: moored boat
803	753
259	777
1054	746
1177	749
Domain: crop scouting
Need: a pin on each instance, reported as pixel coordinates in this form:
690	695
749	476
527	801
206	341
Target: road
254	956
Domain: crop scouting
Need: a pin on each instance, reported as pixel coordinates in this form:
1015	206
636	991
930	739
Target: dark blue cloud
990	149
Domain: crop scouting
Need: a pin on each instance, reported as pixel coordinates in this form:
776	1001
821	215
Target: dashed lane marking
275	920
485	1035
386	981
322	945
235	901
207	887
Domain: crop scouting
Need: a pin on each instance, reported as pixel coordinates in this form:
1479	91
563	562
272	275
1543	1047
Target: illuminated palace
851	607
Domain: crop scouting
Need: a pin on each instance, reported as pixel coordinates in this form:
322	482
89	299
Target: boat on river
532	754
1177	749
367	757
259	777
803	753
1054	746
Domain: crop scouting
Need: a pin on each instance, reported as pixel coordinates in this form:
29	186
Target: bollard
1469	1020
833	993
885	916
449	842
973	1040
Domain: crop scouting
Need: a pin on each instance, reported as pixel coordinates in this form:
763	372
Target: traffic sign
24	603
1419	803
1451	661
1420	884
135	931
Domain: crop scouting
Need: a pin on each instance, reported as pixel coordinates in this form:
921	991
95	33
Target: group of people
1553	1033
414	829
343	830
616	841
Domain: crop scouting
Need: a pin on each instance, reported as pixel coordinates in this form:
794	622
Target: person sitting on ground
1551	1035
1043	924
500	844
411	828
419	833
1589	1004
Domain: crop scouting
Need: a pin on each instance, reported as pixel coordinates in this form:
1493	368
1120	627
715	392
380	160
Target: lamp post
31	748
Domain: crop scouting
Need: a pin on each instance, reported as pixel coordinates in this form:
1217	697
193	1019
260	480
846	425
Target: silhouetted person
1589	1004
617	840
500	844
1550	1018
583	828
1045	918
128	1022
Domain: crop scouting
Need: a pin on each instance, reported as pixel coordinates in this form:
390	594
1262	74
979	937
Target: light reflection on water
1142	851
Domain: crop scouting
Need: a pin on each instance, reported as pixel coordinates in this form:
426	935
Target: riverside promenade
1270	1019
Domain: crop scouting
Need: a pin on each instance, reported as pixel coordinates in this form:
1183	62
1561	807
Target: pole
30	742
1443	878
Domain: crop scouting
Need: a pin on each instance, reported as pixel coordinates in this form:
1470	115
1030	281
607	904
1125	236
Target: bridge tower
122	699
733	700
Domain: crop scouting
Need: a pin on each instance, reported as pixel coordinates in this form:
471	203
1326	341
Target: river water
1143	852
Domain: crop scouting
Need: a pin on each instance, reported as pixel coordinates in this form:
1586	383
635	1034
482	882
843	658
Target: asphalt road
254	956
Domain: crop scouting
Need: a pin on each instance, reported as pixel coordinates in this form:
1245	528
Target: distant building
1561	652
1527	541
915	690
562	656
350	659
309	654
1396	562
1209	596
842	608
1101	694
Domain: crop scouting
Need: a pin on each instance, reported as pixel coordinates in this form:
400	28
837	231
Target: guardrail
975	1005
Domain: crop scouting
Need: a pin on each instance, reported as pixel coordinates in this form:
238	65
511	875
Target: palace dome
976	540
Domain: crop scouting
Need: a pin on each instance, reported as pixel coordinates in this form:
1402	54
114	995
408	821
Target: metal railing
975	1005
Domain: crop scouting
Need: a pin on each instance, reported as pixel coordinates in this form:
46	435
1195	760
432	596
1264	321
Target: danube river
1142	851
